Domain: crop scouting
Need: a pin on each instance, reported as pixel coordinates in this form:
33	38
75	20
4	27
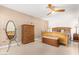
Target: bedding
65	30
51	37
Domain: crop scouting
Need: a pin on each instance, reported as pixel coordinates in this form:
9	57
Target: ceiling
40	10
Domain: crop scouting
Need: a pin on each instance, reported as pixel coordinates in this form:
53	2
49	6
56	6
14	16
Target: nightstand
76	37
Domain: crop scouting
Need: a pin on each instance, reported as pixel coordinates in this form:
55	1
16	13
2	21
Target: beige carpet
39	48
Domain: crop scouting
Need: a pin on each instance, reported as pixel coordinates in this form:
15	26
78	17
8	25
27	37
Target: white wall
19	19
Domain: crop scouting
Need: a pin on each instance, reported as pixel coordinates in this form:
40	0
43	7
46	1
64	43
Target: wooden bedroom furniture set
58	36
61	34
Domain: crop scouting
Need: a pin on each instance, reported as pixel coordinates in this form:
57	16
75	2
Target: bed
65	30
63	34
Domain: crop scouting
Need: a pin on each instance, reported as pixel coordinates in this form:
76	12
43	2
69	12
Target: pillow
62	31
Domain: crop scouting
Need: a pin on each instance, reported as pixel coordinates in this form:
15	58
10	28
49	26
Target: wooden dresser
27	33
76	37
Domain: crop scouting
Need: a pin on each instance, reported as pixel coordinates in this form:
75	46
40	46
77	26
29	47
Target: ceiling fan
53	8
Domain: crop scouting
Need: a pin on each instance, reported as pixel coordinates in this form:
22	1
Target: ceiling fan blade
49	13
59	10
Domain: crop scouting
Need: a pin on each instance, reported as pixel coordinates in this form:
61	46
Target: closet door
27	34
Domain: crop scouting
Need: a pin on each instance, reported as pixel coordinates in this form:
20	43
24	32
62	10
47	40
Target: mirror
10	30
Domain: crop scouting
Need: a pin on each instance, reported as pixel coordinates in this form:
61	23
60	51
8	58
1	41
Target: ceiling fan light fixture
49	5
53	12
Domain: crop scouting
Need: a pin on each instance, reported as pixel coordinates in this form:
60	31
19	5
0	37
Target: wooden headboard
66	30
58	29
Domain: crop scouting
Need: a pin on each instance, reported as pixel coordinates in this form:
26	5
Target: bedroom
25	14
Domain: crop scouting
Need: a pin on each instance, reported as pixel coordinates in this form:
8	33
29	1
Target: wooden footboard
49	41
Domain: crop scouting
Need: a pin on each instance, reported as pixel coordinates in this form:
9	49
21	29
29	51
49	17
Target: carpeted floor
39	48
